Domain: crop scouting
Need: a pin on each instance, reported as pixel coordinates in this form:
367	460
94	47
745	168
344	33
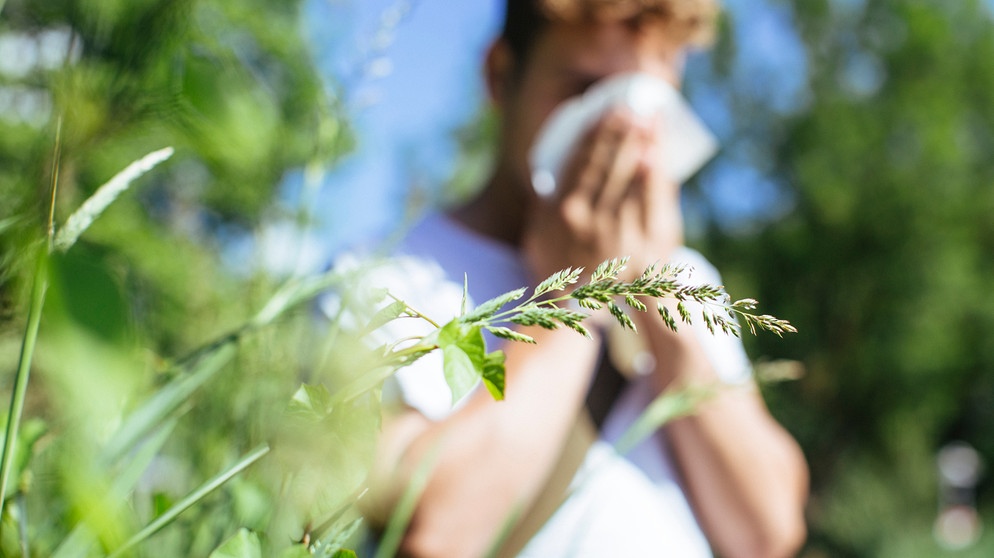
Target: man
742	475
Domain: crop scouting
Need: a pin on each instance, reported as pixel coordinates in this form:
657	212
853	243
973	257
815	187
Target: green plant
100	486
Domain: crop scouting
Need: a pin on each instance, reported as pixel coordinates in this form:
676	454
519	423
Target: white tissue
686	143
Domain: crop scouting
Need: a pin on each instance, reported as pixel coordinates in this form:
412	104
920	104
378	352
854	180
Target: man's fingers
594	156
624	166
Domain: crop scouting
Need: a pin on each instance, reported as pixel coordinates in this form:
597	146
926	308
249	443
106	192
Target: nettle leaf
490	307
493	374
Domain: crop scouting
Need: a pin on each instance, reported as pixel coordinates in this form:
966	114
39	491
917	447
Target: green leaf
463	356
244	544
493	374
311	402
344	554
367	381
385	315
490	307
459	372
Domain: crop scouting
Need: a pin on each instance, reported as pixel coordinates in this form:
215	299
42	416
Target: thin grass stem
16	409
194	497
56	157
400	519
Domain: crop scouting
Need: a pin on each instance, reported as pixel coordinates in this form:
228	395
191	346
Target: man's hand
614	200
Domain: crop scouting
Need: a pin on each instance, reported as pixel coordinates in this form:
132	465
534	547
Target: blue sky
409	73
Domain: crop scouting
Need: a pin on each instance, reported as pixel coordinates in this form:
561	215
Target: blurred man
728	478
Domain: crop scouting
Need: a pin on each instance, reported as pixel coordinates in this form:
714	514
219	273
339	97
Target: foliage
229	84
884	262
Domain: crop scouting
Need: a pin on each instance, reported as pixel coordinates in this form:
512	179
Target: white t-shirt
619	506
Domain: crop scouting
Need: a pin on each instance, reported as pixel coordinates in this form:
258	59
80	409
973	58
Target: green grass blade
165	401
192	499
77	545
667	406
7	223
127	478
16	409
83	217
294	292
504	533
400	519
81	540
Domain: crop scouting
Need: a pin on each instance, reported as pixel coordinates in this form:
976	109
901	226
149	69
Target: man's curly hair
691	21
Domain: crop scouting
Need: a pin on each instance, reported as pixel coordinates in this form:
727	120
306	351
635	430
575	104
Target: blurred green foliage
884	264
231	85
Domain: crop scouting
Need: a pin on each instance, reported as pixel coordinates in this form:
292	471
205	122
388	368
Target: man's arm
745	476
491	459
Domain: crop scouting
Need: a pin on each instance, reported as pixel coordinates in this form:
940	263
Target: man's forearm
494	457
745	475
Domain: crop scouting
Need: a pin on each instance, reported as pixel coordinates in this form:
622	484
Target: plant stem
56	158
194	497
416	313
16	408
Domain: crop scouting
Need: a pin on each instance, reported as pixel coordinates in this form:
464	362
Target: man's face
564	61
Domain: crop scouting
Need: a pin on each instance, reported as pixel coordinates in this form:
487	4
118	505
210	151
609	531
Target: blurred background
853	196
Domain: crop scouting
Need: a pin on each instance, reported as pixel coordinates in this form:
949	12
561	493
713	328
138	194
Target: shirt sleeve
725	352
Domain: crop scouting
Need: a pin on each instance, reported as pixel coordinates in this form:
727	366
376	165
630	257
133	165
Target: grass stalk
39	286
400	519
16	408
192	499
